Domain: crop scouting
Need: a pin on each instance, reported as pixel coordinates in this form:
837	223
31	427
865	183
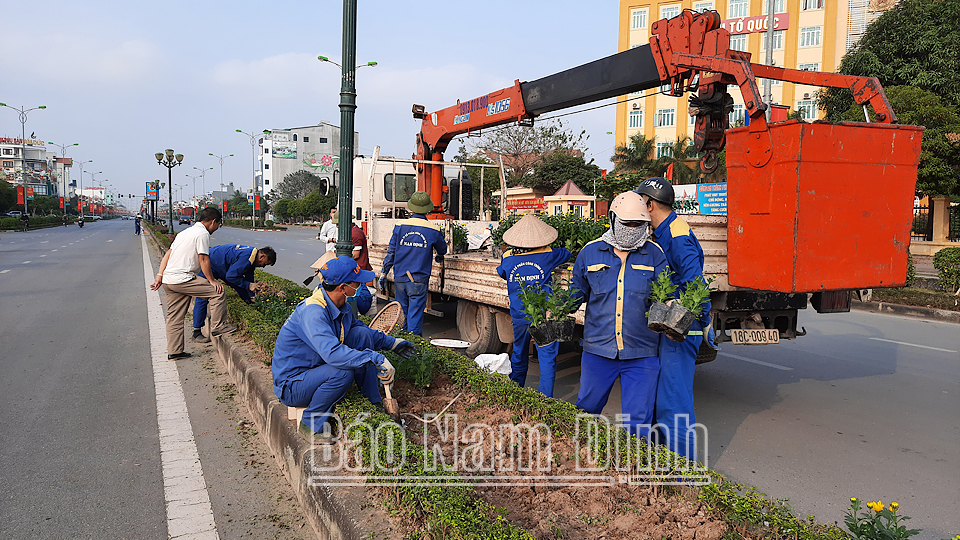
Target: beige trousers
178	303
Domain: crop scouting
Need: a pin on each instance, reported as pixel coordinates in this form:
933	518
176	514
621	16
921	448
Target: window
8	164
636	119
306	139
323	140
7	152
638	19
736	115
807	5
577	210
666	117
738	42
702	7
807	109
664	149
669	12
406	186
557	209
266	165
815	66
294	137
693	119
266	182
777	40
777	6
773	82
738	8
810	36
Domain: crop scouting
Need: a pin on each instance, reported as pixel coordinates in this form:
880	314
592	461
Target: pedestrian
189	254
674	413
235	265
136	225
411	256
614	275
360	254
63	218
24	222
328	231
530	263
322	348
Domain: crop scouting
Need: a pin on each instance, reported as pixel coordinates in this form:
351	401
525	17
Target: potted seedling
549	311
662	291
687	309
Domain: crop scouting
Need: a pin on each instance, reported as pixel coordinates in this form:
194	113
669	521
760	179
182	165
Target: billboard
284	150
153	192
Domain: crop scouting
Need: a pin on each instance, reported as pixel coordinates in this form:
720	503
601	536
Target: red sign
29	193
256	203
758	23
20	195
61	202
223	206
526	204
79	207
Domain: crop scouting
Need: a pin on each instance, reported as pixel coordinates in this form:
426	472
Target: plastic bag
498	363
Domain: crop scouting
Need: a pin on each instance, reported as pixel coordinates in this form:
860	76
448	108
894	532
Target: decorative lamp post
203	178
221	158
169	160
23	142
194	178
63	154
253	153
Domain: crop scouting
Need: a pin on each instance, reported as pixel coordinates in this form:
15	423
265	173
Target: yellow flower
878	506
894	506
853	499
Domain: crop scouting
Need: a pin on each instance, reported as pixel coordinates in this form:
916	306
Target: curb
941	315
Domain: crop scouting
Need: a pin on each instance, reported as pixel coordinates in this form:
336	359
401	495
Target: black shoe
314	437
198	337
178	356
380	408
226	329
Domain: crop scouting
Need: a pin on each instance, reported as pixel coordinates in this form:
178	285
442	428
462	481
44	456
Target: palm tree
678	155
635	157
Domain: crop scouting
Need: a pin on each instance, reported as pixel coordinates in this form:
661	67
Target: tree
678	157
939	158
8	196
238	205
281	209
551	173
917	43
296	185
491	179
635	157
522	148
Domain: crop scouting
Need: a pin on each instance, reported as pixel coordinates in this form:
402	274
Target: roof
569	188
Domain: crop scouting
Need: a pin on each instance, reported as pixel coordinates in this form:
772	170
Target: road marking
109	240
52	250
44	255
912	344
44	242
299	253
26	262
4	271
189	513
63	246
757	362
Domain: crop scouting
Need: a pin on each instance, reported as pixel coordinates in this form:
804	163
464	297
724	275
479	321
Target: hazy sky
129	79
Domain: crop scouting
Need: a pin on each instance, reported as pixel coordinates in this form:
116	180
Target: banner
153	192
29	193
527	204
712	199
79	207
250	199
20	195
256	202
61	203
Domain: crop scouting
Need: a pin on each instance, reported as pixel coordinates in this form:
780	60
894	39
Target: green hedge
247	224
13	224
947	263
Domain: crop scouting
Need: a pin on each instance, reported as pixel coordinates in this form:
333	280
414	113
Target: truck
186	215
781	245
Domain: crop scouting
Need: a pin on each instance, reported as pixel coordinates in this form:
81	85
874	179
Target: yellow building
809	34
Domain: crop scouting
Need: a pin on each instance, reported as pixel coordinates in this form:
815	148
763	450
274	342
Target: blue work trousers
673	413
413	300
520	359
638	388
199	312
324	386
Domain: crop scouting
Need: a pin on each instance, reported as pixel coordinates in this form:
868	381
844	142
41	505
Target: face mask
355	292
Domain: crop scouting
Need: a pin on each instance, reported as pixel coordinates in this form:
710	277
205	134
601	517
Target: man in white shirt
178	274
328	231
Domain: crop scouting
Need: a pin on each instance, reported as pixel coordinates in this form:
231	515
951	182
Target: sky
128	79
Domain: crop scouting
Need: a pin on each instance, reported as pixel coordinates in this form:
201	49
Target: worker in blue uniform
673	413
410	254
322	348
360	303
614	275
531	262
235	265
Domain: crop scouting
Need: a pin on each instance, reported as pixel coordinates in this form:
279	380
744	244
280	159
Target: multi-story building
808	34
310	148
43	169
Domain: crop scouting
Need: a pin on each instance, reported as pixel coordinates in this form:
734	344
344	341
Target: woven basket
387	318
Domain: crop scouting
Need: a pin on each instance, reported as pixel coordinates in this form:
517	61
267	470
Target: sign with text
758	23
527	204
712	199
29	193
153	192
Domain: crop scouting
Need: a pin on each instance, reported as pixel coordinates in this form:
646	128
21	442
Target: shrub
573	231
947	263
268	224
911	270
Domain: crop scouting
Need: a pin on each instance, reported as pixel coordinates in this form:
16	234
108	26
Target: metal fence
922	226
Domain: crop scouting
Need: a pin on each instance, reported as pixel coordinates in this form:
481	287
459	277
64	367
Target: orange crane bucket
832	208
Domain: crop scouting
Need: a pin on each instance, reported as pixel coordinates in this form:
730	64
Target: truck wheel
478	325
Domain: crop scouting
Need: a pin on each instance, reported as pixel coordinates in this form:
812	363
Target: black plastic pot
678	322
550	331
657	317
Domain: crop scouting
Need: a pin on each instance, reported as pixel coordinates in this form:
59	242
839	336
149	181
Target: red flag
256	202
670	172
20	195
79	207
61	202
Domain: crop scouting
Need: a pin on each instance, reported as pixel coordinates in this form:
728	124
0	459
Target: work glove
382	282
387	372
439	259
405	349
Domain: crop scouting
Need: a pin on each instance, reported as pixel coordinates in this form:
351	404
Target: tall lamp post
348	107
169	160
93	179
80	196
194	178
253	153
23	142
221	158
203	181
63	154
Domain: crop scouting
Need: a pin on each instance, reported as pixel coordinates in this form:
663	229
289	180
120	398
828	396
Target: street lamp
194	178
80	196
203	178
325	59
93	179
253	153
23	142
221	158
169	160
63	154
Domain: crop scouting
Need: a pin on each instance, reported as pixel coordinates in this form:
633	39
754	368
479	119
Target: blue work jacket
411	249
534	267
618	298
683	252
234	264
317	333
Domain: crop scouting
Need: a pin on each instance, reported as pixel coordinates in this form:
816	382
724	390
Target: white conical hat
530	232
326	257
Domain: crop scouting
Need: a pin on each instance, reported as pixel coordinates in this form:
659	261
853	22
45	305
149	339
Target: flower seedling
696	293
663	286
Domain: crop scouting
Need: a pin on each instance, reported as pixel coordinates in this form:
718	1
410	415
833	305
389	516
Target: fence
922	226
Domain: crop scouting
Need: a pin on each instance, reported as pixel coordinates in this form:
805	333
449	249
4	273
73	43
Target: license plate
761	336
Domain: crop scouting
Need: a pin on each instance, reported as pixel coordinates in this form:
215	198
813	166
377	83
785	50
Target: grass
917	297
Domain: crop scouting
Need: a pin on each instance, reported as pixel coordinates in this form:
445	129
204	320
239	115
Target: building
42	170
808	34
310	148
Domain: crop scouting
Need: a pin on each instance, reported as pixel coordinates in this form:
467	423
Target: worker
235	266
531	262
360	253
613	275
673	413
411	256
322	348
360	304
328	231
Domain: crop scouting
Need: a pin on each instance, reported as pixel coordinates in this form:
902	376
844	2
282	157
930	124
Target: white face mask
355	291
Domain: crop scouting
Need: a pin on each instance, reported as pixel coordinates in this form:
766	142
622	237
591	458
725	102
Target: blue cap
342	270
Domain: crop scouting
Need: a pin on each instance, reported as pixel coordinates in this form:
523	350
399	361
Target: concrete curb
908	311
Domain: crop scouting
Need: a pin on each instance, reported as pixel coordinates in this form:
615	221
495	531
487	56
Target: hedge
947	263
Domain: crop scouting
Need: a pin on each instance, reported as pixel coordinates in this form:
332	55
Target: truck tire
478	325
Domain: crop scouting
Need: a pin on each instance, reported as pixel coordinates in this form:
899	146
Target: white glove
387	372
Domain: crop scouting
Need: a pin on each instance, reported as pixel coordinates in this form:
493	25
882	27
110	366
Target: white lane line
52	250
4	271
63	246
26	262
44	255
189	513
299	253
109	240
757	362
44	242
912	344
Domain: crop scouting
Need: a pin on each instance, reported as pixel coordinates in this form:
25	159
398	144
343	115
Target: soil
618	511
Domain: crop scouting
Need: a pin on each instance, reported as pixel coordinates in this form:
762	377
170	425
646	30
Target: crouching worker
531	263
322	348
